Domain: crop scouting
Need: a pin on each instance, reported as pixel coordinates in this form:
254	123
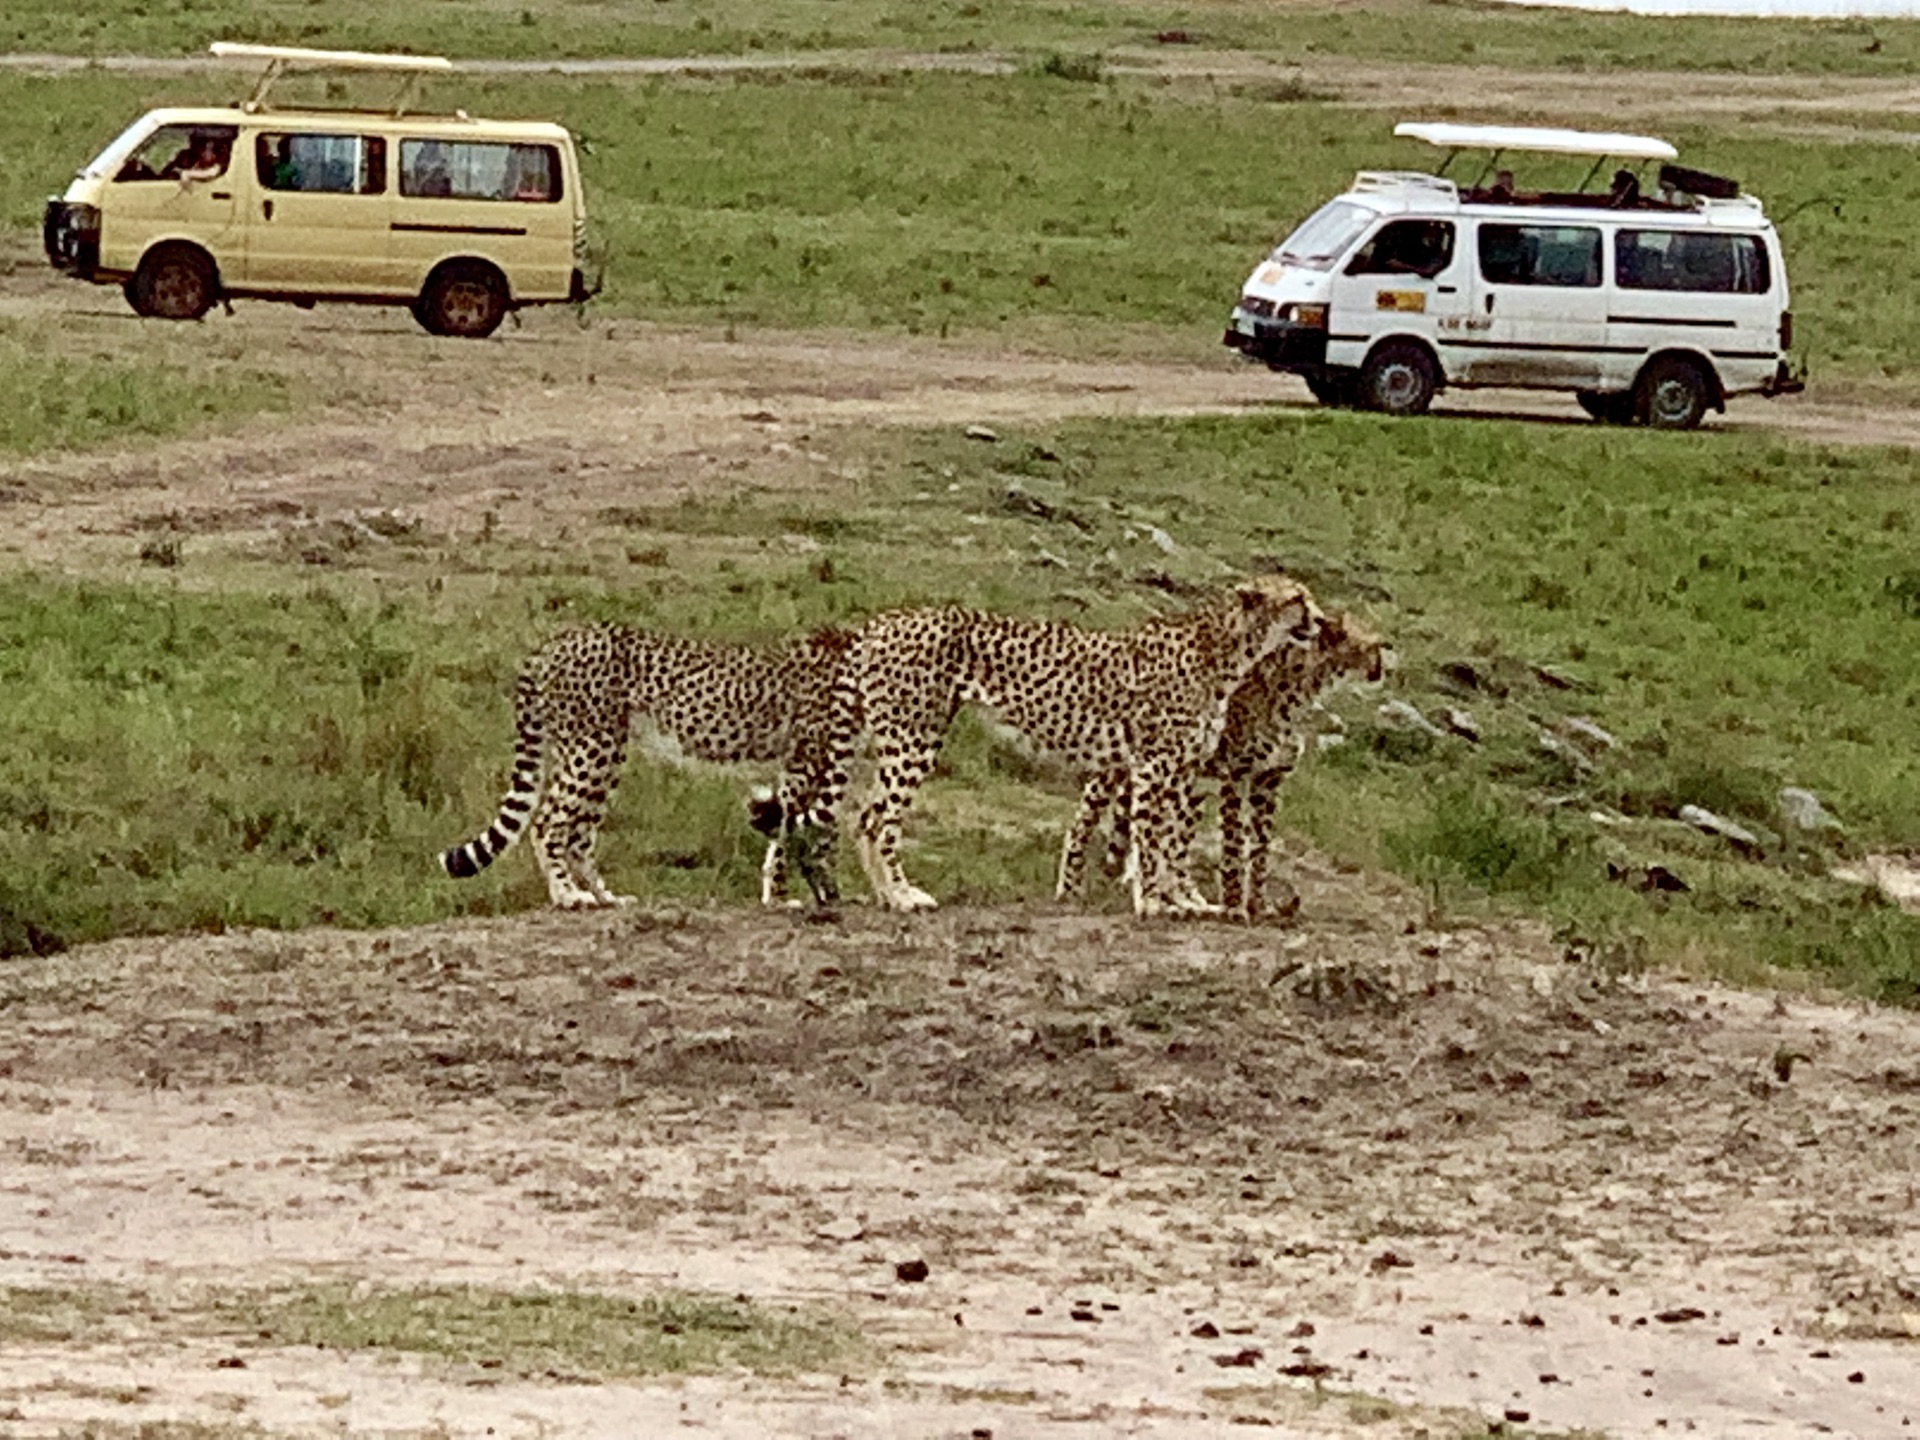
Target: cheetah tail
523	791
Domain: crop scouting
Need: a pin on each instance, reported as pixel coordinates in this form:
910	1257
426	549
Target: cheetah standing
1148	703
576	704
1259	747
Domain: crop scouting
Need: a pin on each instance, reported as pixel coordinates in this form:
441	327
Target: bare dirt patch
556	424
1163	1180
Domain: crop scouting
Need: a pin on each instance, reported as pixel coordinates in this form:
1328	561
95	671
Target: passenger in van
1624	193
204	157
430	175
1498	193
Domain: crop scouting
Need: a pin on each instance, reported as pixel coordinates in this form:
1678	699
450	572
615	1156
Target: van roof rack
279	59
1543	139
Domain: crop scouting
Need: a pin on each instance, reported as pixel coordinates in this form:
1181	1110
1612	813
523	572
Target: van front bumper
1281	344
71	234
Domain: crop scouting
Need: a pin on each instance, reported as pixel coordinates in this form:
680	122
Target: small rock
1403	716
1247	1357
845	1229
912	1272
1388	1260
1572	754
1085	1317
1803	810
1590	734
1161	539
1703	819
1680	1316
1206	1330
982	432
1461	723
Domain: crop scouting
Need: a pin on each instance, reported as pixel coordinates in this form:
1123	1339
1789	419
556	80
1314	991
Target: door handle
266	213
221	195
1448	289
1489	304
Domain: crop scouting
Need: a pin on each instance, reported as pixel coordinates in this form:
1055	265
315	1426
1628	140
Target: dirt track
1435	1165
1465	1161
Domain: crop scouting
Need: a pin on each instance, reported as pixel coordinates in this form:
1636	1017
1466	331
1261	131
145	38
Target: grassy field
1736	612
917	203
1392	30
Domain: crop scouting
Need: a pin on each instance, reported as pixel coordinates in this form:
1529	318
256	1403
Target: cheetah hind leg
569	823
1096	796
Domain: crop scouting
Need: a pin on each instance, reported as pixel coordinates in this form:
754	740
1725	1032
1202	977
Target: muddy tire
174	282
1398	379
467	301
1672	394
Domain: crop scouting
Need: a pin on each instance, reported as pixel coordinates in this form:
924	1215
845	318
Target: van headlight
1307	317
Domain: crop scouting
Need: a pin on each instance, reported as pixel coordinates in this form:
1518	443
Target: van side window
176	151
1564	255
1406	247
479	170
1689	260
322	164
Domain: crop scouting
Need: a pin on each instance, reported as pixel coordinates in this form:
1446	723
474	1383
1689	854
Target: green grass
1738	611
60	402
1410	30
919	204
557	1333
569	1334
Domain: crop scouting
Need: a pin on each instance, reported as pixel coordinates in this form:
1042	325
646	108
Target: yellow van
458	218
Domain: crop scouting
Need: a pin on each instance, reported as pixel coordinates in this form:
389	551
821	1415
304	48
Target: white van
1651	304
459	219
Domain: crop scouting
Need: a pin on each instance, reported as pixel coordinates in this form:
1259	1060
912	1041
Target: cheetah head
1276	611
1346	645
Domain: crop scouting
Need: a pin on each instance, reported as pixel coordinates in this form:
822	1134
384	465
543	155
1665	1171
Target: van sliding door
1539	310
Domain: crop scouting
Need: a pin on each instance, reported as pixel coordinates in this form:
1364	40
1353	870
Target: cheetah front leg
1263	803
1161	826
1235	881
900	771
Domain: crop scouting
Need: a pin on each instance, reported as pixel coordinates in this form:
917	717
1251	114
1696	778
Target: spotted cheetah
1259	747
1148	702
577	702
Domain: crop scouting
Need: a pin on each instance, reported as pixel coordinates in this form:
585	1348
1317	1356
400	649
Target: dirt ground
1167	1181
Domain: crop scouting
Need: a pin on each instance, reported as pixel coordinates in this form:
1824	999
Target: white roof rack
1537	138
278	59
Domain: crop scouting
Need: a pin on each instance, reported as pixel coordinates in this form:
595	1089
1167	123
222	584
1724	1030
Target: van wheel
1398	379
1331	387
467	301
1609	407
1672	394
174	282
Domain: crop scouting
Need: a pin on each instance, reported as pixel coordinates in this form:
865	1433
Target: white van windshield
1324	236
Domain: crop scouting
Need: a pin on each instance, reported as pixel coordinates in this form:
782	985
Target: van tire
1609	407
466	299
174	282
1398	379
1671	394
